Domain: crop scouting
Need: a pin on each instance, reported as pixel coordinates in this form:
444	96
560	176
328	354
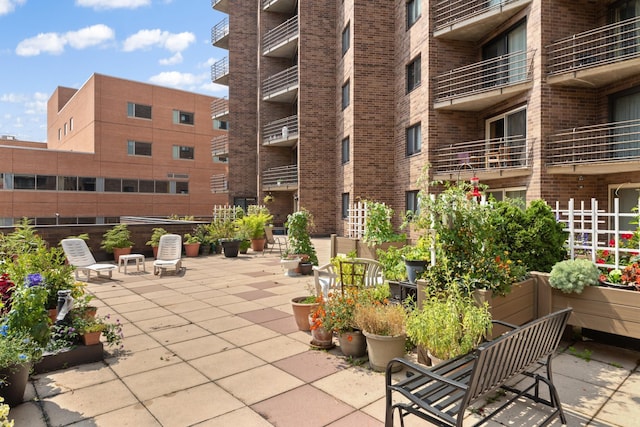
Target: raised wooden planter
345	245
609	310
78	355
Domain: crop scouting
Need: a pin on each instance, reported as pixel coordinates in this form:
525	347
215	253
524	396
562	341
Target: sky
49	43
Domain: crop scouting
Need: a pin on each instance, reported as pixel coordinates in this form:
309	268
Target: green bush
571	276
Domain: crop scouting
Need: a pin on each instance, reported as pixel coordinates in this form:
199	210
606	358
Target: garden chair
272	241
169	254
364	271
79	256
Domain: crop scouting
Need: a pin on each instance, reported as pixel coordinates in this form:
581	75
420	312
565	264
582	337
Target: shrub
573	275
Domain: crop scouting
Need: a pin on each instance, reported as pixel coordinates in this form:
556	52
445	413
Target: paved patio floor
217	346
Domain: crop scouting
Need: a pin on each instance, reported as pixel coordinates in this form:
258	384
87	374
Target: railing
602	143
280	176
280	34
449	12
281	81
280	129
219	184
219	107
220	31
220	145
605	45
219	69
486	154
486	75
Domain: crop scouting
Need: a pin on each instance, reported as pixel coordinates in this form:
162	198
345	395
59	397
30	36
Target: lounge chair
169	254
79	255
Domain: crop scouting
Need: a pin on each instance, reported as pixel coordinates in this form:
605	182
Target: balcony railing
220	71
605	45
280	130
283	81
450	12
483	155
602	143
484	76
283	33
284	177
280	6
219	108
219	32
220	145
219	184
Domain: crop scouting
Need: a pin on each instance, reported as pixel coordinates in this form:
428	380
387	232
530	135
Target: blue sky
45	44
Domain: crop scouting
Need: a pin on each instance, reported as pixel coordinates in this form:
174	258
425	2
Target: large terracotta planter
353	343
120	251
382	349
13	382
301	312
257	245
191	249
91	338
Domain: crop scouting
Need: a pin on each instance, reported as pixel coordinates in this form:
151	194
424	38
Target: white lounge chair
169	253
79	255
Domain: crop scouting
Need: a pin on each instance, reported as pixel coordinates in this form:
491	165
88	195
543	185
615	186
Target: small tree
298	225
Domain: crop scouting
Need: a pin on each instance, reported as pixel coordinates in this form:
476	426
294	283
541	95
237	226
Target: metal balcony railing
494	73
220	145
280	82
280	6
220	31
219	107
219	184
482	155
602	143
281	129
282	176
220	69
281	34
605	45
449	12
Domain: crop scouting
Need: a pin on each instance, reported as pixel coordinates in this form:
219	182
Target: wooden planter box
609	310
345	245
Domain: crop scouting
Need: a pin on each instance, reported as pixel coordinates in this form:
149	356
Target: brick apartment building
115	147
537	98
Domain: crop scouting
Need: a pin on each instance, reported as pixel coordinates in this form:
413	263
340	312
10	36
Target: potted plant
201	231
117	240
154	241
16	355
92	328
298	225
416	257
572	275
191	245
253	224
449	323
321	335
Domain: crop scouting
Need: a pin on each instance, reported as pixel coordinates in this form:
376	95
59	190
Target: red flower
627	236
612	242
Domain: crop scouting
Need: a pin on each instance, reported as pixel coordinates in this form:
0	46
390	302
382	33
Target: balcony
477	86
471	20
281	87
219	184
597	57
220	34
220	146
220	71
280	6
219	108
221	5
282	41
603	148
281	133
488	158
282	178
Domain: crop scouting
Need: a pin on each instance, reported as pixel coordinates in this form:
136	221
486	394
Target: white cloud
8	6
113	4
54	43
177	80
13	98
145	39
175	59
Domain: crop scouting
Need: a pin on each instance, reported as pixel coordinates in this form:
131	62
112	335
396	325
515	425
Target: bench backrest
515	351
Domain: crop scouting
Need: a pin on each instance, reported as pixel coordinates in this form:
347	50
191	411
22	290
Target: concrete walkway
217	346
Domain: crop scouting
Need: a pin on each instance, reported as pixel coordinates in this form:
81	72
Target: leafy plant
254	224
377	226
392	263
16	348
157	232
118	236
380	319
111	331
28	315
298	225
573	275
190	239
23	239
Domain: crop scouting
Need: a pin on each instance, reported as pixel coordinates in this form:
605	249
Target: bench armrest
422	371
506	324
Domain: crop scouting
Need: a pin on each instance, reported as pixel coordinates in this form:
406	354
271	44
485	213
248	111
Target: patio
217	346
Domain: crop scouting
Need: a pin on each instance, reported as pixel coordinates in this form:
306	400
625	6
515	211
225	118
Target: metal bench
441	394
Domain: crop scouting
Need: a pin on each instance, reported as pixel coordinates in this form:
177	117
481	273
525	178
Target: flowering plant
16	349
26	314
631	275
111	331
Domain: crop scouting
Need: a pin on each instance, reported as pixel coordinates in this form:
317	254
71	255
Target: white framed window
139	111
508	193
183	152
138	148
414	74
414	139
346	38
183	117
346	94
413	12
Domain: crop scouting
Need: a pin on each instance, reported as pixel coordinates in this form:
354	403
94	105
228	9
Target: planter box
78	355
610	310
345	245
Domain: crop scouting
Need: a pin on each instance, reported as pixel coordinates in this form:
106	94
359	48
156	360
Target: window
345	95
113	185
24	182
59	134
46	182
345	150
345	205
413	74
413	12
507	139
138	110
70	124
507	52
65	128
182	117
508	193
346	39
411	202
624	108
182	152
220	124
162	187
129	185
414	139
137	148
181	187
86	183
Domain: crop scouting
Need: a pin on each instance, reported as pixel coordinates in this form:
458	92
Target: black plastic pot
230	248
413	268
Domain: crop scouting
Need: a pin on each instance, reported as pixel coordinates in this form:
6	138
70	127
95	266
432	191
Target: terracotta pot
191	249
14	382
257	245
91	338
321	337
120	251
155	251
90	312
53	314
301	312
382	349
353	343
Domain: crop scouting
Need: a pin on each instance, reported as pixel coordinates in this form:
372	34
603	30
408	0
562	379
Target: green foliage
118	236
16	348
28	315
23	239
377	226
380	319
254	224
190	239
111	331
298	224
573	275
392	263
155	236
